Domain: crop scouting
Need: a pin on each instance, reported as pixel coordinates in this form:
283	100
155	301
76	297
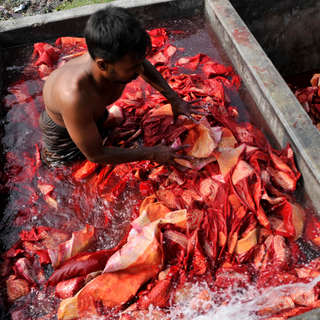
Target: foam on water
15	68
236	309
242	306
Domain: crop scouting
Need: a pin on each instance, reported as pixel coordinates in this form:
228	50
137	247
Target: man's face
125	70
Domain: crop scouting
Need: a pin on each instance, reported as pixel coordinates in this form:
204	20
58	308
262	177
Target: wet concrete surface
72	22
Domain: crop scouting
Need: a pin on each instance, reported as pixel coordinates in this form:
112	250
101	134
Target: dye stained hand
230	220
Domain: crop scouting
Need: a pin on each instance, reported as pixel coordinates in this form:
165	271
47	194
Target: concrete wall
72	22
287	30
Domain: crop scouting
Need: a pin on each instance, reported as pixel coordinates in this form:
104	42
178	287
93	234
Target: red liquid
76	203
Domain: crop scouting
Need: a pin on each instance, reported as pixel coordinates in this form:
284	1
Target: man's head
113	32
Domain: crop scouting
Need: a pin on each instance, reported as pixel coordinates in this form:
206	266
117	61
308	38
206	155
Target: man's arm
84	132
179	106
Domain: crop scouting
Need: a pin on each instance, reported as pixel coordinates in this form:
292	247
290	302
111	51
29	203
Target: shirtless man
76	94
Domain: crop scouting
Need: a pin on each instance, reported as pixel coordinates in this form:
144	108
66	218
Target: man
76	94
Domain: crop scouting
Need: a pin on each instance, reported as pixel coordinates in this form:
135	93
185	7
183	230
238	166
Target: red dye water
234	219
21	132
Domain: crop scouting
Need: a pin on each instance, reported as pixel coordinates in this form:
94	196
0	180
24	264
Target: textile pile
230	221
309	97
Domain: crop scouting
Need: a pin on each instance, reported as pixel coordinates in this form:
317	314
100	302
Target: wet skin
76	95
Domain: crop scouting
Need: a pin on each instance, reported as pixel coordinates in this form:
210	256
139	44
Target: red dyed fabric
47	57
193	62
85	170
158	128
81	264
215	69
38	241
309	97
229	224
68	288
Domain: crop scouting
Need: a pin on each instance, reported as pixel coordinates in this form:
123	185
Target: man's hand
165	155
179	106
182	107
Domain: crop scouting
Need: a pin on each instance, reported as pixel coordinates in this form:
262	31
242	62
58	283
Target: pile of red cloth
309	98
230	220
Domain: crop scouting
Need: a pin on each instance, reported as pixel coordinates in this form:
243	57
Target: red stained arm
79	121
179	106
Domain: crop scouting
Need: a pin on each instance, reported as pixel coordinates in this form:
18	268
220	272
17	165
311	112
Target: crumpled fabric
230	220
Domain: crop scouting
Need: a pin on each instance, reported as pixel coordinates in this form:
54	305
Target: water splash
243	305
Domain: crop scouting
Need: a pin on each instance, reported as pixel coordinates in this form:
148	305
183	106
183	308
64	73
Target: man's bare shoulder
67	86
68	79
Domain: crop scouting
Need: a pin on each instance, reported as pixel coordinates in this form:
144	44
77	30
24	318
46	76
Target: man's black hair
113	32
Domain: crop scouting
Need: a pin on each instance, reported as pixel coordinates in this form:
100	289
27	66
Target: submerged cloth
59	148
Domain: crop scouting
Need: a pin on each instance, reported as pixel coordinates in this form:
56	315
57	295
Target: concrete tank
284	37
